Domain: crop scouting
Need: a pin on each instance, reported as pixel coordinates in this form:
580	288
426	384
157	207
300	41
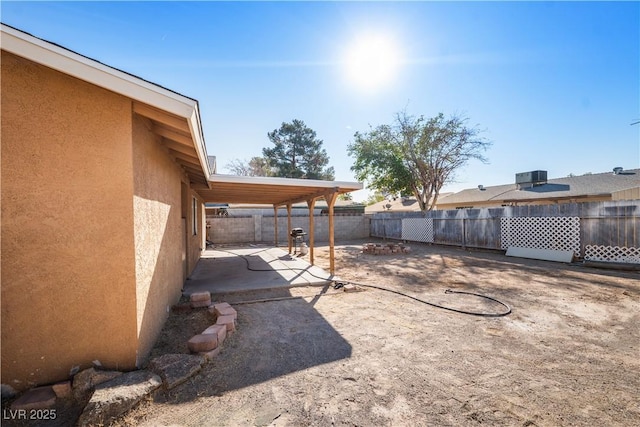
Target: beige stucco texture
67	222
159	239
97	227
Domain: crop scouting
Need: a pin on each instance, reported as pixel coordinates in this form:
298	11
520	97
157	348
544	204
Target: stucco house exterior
104	178
116	161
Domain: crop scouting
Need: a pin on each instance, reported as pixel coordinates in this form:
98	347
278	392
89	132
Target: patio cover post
331	200
275	218
289	225
311	203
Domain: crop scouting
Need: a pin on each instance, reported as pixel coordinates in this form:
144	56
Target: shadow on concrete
240	269
272	339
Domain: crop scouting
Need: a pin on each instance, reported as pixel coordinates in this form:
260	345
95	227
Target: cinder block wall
232	230
260	229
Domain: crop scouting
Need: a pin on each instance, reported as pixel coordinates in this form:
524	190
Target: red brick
62	389
220	305
219	330
213	307
226	311
200	296
201	343
228	321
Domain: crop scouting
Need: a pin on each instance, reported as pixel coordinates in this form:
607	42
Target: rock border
110	394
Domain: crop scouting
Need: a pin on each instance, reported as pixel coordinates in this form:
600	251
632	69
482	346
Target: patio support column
331	200
289	225
311	203
275	217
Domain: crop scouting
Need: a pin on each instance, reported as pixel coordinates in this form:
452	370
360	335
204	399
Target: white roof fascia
196	130
89	70
94	72
292	182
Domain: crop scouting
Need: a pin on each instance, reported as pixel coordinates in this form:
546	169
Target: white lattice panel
417	229
612	254
556	233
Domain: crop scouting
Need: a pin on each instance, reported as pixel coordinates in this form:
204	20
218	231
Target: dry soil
567	355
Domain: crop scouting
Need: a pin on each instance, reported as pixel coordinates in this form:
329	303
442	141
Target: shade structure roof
270	190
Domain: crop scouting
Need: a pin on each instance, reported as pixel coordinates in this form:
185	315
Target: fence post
464	234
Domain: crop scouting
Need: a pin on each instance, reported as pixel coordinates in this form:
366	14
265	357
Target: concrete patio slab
238	269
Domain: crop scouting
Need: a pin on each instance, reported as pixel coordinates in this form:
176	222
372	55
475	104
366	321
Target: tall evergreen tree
297	153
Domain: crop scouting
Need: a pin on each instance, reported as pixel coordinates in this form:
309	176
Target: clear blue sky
555	85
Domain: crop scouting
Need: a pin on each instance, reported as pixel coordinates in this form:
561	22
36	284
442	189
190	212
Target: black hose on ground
448	291
340	283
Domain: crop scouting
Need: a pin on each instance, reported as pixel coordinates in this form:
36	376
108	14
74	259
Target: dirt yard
568	354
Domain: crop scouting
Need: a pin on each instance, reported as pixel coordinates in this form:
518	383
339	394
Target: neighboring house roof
400	204
175	117
573	187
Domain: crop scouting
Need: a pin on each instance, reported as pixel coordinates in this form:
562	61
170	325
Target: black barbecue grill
298	237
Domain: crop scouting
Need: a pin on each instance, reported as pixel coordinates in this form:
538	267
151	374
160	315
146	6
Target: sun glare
372	61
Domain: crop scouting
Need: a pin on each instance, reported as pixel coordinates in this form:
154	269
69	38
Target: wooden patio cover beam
331	198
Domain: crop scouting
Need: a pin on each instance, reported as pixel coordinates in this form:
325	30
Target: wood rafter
172	135
185	157
192	170
162	117
199	185
179	147
304	198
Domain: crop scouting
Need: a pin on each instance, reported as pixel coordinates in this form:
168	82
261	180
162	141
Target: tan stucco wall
68	265
195	242
158	233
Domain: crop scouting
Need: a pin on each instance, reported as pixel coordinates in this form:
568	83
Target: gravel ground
566	356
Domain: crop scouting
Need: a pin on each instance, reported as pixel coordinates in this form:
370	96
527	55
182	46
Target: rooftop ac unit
533	177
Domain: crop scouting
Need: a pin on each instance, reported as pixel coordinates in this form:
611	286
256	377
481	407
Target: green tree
297	153
374	198
415	155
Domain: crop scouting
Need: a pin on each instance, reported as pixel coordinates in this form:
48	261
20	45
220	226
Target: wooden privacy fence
604	231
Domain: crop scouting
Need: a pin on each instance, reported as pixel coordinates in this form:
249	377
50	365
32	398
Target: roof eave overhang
94	72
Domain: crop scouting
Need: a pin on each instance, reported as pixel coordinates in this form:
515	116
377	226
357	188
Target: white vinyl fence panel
417	229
